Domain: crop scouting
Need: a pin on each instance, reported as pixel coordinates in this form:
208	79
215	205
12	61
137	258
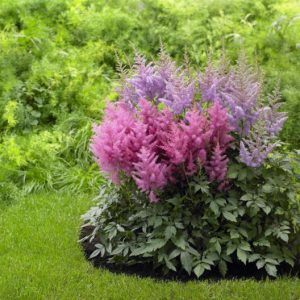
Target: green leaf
271	270
253	257
156	244
262	242
193	251
170	232
246	197
229	216
199	270
267	188
230	249
174	254
221	201
260	264
242	255
95	253
158	221
218	247
170	265
283	236
245	246
267	209
242	174
232	173
186	261
234	234
214	207
120	228
139	251
222	267
179	241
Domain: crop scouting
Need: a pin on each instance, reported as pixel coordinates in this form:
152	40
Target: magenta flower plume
158	122
149	174
187	141
217	166
117	140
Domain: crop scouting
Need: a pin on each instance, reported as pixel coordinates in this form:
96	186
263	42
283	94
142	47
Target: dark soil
236	270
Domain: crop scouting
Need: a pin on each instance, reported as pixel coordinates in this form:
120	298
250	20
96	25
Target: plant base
236	270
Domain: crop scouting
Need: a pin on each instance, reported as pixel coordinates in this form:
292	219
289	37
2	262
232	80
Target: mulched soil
236	270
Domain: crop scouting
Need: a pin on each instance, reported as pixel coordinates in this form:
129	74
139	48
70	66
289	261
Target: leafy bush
256	221
218	191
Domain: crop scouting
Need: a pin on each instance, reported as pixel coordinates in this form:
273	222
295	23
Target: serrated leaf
242	255
267	188
246	197
253	257
222	267
290	262
118	250
95	253
193	251
230	249
242	174
214	207
199	270
179	241
174	254
120	228
271	270
211	257
186	261
243	232
260	264
221	201
170	231
283	236
109	248
267	209
232	173
229	216
234	234
271	261
218	247
179	225
112	233
170	265
138	251
245	246
206	266
158	221
155	244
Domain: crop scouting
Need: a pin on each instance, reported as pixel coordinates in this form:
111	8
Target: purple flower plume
159	82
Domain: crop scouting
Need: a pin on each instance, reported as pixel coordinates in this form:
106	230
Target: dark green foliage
195	229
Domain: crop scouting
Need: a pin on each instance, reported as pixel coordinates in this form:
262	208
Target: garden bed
236	270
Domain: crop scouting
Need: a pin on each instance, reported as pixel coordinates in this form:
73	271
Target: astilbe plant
154	147
198	184
239	89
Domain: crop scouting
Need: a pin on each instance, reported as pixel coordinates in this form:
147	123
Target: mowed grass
41	259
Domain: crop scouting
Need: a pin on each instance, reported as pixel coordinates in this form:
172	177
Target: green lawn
40	259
